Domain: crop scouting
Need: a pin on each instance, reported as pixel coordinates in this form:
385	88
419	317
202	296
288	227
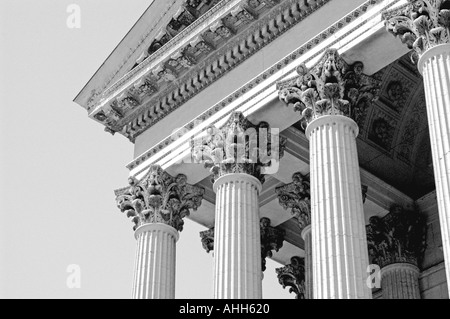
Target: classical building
312	132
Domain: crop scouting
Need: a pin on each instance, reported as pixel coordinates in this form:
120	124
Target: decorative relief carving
271	239
331	87
398	90
293	276
411	131
398	237
297	197
420	24
126	101
145	87
382	129
159	198
207	238
181	20
221	30
239	147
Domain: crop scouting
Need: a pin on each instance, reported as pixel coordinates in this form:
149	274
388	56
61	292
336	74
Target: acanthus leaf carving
297	197
238	147
330	87
398	237
271	239
293	276
207	238
159	198
420	24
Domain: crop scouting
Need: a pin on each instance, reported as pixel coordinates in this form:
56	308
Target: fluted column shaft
435	67
307	238
237	239
339	243
400	281
154	276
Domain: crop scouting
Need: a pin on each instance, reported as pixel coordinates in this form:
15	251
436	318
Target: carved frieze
238	147
159	198
293	276
331	87
420	24
296	196
398	237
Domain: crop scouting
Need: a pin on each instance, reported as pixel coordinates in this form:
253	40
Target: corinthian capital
331	87
239	147
271	239
399	237
296	196
293	276
420	24
159	198
207	238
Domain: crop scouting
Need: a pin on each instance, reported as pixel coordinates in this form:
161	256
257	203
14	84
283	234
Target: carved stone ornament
271	239
293	276
331	87
420	24
399	237
207	238
238	147
296	196
159	198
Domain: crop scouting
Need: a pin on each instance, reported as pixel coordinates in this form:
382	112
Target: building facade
312	132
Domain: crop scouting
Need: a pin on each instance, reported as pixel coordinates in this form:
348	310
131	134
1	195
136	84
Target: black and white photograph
201	150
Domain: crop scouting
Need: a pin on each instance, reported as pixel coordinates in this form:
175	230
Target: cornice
306	47
269	27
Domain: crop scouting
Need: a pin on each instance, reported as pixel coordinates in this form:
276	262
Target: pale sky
59	169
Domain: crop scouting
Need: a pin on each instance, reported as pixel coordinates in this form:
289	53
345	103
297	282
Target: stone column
238	156
155	262
340	257
271	239
425	27
329	95
157	205
296	196
396	244
237	257
307	237
400	281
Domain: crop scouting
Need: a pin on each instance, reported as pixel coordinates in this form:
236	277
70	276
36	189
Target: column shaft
400	281
307	237
435	67
237	238
155	262
340	254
